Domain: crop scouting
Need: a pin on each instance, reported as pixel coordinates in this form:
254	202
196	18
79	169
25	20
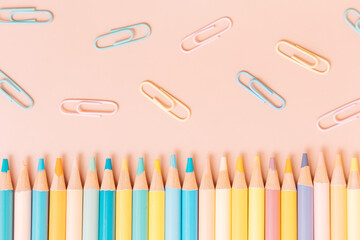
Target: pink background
58	60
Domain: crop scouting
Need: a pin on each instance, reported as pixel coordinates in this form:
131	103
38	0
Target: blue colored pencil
107	204
6	203
189	203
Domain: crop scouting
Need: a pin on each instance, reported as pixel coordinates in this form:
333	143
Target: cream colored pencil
223	203
207	205
22	206
353	200
321	201
74	206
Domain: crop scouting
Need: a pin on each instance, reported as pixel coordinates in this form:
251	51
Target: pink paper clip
199	43
338	121
79	111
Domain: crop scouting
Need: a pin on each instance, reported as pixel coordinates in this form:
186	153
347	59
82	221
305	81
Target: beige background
58	60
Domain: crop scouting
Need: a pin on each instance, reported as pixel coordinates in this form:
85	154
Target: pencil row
316	209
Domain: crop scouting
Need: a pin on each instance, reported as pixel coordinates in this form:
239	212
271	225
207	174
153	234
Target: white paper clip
80	111
199	43
336	120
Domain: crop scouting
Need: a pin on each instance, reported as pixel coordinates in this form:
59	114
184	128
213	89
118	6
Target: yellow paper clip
301	62
172	101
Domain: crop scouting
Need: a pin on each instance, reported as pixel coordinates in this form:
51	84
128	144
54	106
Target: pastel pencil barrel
189	201
223	203
91	204
256	204
57	208
288	205
40	204
124	204
74	208
305	202
6	202
338	202
321	201
140	224
353	200
107	204
157	205
22	206
272	203
173	203
239	202
207	205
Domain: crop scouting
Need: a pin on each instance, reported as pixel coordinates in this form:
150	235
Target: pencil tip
354	165
92	164
304	162
157	166
108	164
272	163
223	164
321	161
257	160
58	167
41	165
207	166
240	165
173	161
288	167
140	168
5	165
124	165
338	162
189	165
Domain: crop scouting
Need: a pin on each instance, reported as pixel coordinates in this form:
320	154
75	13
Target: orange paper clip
80	111
316	59
172	101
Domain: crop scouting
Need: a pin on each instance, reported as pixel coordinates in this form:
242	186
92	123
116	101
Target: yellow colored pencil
256	203
288	205
157	205
353	200
124	204
338	203
239	202
57	209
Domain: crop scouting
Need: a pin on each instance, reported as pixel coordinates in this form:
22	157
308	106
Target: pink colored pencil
272	203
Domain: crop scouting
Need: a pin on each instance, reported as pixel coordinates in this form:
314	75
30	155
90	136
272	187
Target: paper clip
337	121
257	94
129	29
355	25
79	111
200	43
172	101
10	82
301	62
13	11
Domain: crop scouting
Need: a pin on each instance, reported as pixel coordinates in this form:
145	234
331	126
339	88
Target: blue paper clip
257	94
126	41
7	79
357	23
14	11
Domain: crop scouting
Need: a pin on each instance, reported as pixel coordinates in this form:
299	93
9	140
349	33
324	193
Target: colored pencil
338	208
6	202
256	203
157	205
189	201
74	208
272	203
353	200
321	201
124	204
288	205
22	206
223	203
239	202
57	208
91	203
40	204
107	204
140	214
305	202
173	203
207	205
